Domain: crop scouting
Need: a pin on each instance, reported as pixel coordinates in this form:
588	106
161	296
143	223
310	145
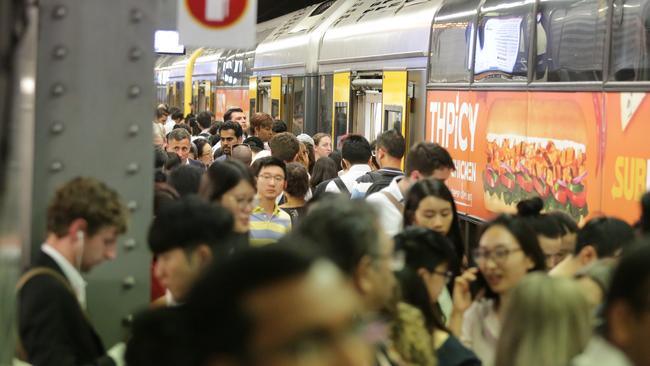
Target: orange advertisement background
592	117
228	98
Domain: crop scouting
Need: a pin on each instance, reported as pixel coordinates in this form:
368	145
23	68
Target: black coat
53	327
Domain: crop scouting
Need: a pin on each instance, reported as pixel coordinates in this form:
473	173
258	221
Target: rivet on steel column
132	205
136	15
128	282
132	168
57	128
56	166
134	91
59	12
133	130
59	52
58	90
135	54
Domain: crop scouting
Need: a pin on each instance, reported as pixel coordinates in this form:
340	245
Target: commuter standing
186	236
599	238
424	160
268	222
623	340
356	155
322	145
261	126
179	142
348	233
231	185
238	116
388	153
230	135
159	126
297	188
84	220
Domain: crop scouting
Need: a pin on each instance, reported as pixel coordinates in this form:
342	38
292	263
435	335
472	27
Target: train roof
379	34
293	47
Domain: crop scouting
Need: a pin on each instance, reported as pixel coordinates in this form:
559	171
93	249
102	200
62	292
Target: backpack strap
398	205
20	352
342	187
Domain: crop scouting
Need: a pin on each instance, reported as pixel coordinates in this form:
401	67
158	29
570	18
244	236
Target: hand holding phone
462	297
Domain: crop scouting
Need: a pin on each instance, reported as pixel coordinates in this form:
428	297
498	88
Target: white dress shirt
71	273
349	178
390	217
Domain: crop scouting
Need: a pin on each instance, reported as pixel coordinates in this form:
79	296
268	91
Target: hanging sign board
217	23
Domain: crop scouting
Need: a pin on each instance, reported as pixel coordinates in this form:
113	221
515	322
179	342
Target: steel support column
94	107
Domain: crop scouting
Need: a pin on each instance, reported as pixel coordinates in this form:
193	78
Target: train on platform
531	97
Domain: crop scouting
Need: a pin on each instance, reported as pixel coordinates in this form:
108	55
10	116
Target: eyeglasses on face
268	177
499	255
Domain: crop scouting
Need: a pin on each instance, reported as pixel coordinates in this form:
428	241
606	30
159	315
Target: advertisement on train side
582	153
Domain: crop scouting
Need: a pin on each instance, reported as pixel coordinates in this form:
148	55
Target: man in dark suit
83	222
179	142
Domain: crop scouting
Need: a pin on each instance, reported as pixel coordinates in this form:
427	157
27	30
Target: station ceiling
269	9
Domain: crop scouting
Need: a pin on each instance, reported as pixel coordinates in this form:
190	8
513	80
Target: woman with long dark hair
429	204
508	249
230	184
428	262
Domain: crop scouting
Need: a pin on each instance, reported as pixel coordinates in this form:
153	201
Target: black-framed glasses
499	255
448	275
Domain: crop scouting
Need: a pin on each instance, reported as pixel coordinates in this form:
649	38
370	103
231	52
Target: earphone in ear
80	235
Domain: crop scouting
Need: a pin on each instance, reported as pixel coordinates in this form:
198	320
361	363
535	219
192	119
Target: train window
322	8
570	40
325	90
450	42
341	121
275	108
393	118
502	40
298	123
630	52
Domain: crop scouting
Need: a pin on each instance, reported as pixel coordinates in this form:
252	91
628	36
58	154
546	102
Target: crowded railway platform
381	183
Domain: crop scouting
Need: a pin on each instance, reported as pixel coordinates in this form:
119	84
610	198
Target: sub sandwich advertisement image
582	153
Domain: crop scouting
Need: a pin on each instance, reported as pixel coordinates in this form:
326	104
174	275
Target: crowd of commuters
275	249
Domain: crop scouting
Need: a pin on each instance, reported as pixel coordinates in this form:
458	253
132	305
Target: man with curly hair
84	220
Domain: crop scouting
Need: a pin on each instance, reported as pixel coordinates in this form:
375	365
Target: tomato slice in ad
507	180
525	183
578	199
560	193
491	179
541	187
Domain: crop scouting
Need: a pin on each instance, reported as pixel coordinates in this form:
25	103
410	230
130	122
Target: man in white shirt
356	154
83	222
424	160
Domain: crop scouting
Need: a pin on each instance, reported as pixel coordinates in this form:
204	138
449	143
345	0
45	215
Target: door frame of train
395	96
276	95
252	96
341	95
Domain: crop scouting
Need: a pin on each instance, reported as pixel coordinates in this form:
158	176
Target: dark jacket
53	327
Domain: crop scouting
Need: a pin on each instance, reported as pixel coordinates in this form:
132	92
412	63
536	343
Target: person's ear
423	273
362	275
587	255
204	255
415	175
77	230
620	319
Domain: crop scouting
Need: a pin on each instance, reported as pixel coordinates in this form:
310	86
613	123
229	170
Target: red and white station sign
217	23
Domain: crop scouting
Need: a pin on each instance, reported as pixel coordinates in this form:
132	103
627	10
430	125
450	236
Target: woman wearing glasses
428	259
230	184
508	249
